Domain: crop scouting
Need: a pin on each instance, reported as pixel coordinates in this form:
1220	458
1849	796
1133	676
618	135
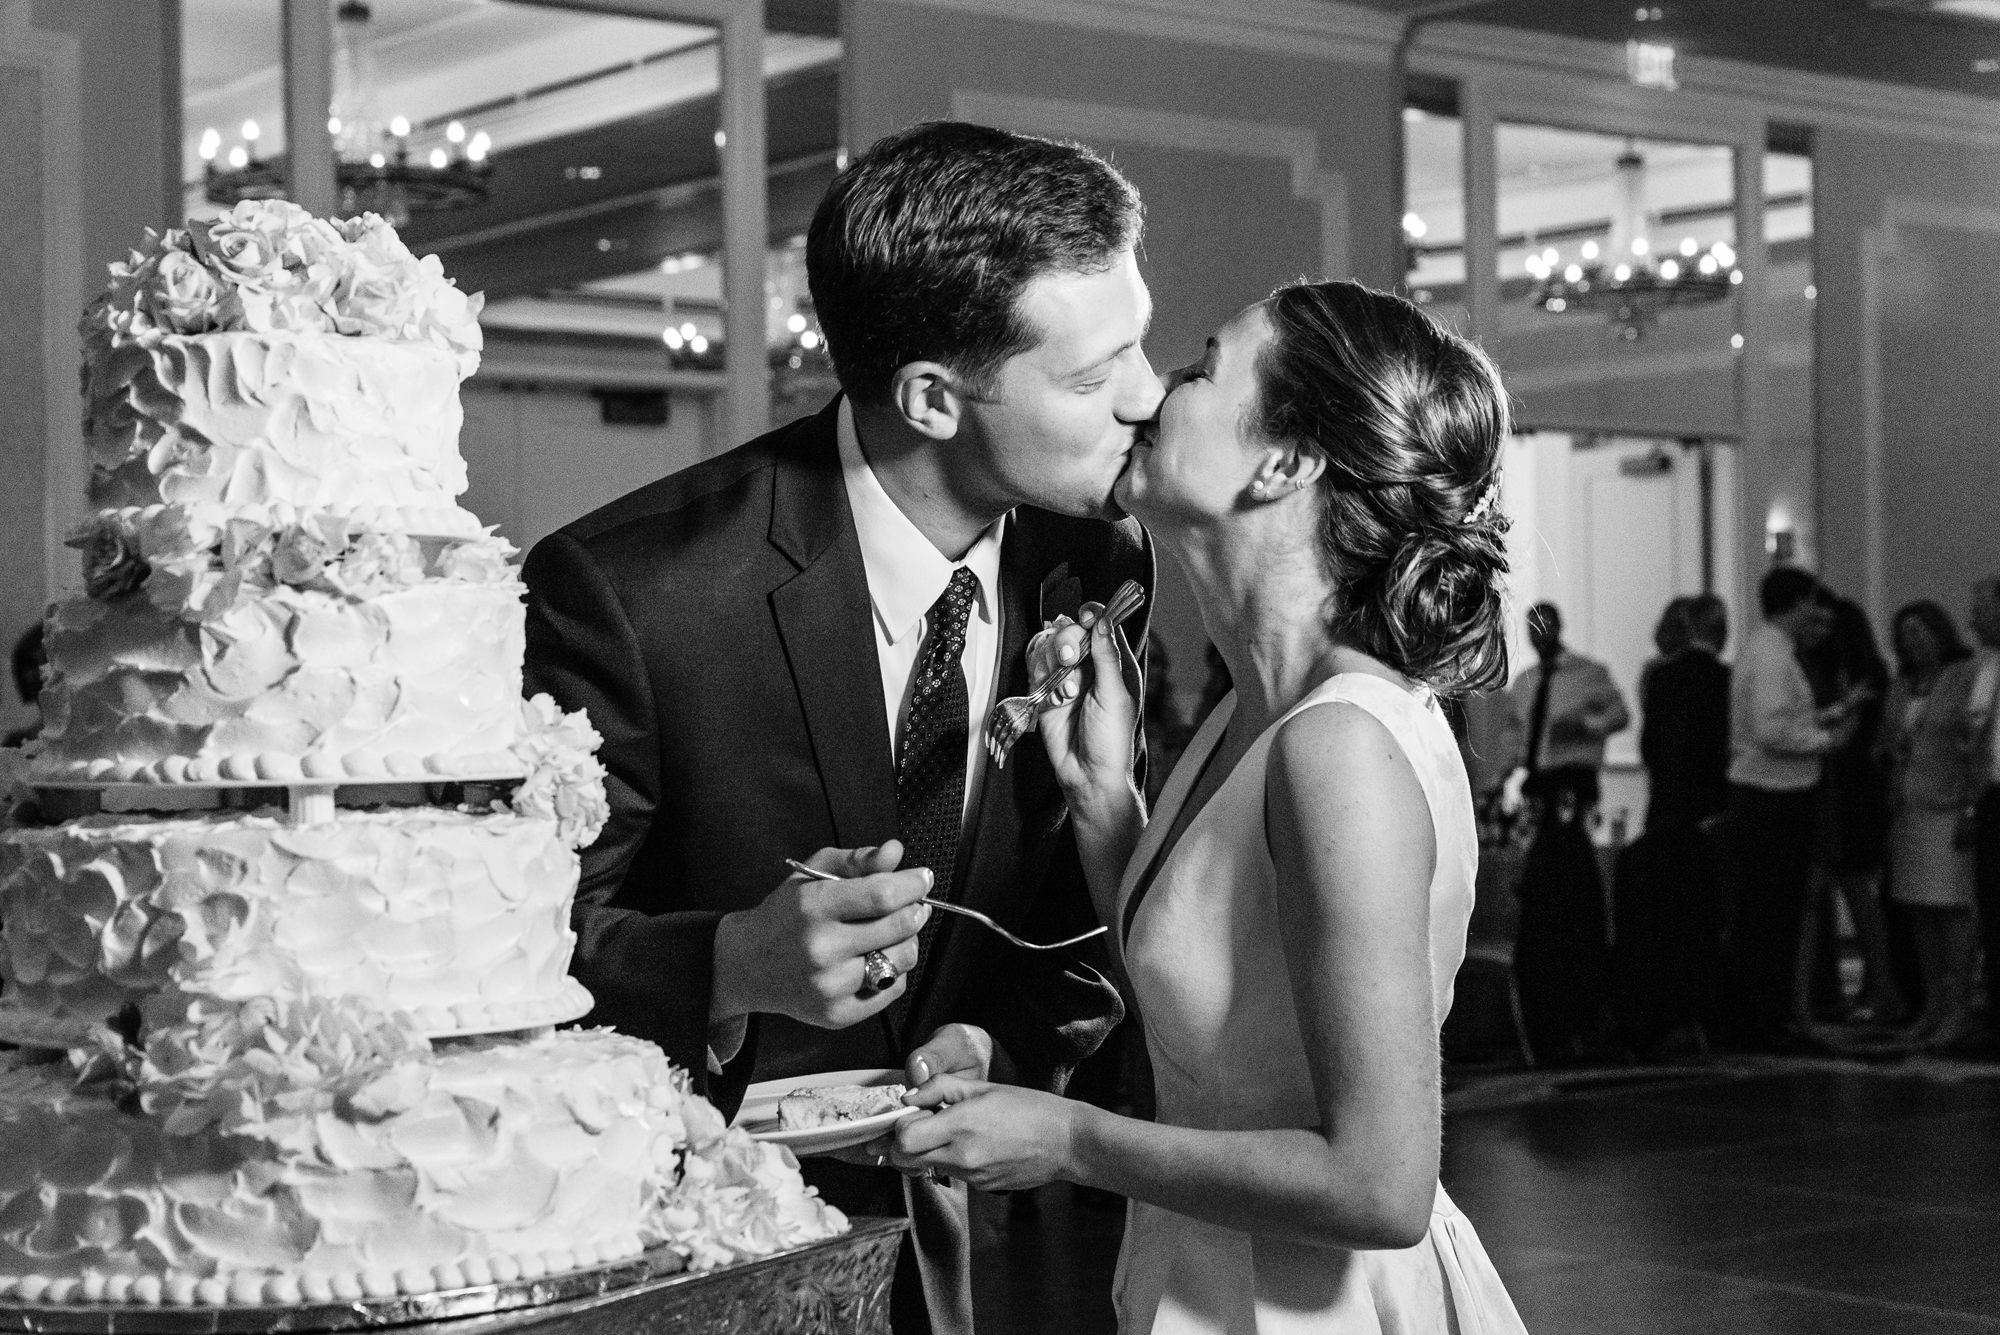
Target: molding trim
58	60
1316	29
1293	145
1880	243
1468	50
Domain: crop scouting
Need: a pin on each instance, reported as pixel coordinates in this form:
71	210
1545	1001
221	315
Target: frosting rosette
738	1197
269	266
197	563
253	1066
565	781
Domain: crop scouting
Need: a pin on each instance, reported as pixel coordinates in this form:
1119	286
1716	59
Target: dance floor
1753	1196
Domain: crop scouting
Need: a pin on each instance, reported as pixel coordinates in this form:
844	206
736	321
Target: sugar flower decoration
269	266
565	781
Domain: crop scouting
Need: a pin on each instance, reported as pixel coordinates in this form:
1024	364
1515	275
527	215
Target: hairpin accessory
1484	505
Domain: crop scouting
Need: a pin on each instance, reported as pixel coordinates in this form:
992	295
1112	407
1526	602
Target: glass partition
1618	280
1790	297
1434	212
232	93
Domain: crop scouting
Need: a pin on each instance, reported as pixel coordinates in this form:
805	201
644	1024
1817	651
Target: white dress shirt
1582	691
1775	737
906	574
1985	703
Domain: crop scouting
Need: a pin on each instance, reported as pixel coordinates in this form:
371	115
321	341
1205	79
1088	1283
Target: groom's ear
926	396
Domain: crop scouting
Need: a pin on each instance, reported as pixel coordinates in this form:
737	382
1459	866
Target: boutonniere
1062	594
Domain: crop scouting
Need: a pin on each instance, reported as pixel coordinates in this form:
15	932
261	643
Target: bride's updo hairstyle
1410	419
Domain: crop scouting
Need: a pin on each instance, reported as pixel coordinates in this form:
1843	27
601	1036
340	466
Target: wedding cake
279	1046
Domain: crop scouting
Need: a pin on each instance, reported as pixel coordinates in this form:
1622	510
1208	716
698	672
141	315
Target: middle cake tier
286	685
459	918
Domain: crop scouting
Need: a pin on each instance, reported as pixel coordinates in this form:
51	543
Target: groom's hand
799	953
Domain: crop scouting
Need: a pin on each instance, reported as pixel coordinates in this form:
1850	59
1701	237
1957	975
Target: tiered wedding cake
268	1053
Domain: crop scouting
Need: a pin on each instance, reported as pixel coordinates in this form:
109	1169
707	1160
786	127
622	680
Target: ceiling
1884	40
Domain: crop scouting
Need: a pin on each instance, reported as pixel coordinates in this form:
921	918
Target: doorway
1610	528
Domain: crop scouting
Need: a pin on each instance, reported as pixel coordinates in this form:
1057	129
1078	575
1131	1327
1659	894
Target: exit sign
1650	65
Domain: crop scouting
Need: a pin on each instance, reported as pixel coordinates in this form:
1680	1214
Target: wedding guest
1851	837
797	644
1684	702
1668	944
1778	738
1930	868
1671	634
1562	950
1569	705
1980	821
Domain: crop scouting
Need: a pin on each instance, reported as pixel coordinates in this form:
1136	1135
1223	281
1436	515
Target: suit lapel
823	617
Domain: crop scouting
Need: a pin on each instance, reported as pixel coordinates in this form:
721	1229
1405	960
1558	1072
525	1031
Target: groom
795	647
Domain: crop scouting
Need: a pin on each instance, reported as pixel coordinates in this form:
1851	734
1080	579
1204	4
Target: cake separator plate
759	1113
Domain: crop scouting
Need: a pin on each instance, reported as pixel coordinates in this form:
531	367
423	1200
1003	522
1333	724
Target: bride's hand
996	1137
1088	728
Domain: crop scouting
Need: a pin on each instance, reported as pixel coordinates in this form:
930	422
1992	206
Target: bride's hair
1410	419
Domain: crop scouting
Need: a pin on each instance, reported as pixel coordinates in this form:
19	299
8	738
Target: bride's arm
1351	835
1088	733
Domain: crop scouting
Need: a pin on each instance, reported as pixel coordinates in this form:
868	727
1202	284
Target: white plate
759	1113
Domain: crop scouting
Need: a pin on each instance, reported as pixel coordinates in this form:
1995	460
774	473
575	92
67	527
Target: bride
1291	916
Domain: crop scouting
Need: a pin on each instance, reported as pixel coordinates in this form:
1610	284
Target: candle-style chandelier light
1629	277
378	168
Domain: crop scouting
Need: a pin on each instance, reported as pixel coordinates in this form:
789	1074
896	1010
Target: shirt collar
906	574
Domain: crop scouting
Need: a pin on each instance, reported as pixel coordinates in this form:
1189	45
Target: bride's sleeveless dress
1202	948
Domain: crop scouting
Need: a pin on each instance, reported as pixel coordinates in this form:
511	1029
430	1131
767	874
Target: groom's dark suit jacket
717	626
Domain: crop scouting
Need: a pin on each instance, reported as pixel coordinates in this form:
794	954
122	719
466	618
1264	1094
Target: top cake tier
241	423
267	360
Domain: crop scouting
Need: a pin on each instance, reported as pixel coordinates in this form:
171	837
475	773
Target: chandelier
1627	278
376	168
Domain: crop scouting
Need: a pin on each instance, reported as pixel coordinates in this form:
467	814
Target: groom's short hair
923	244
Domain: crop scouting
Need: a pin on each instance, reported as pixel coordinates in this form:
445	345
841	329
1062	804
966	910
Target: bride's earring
1260	489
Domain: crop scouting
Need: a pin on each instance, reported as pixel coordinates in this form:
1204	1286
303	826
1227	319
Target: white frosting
281	589
475	1163
286	684
250	420
461	920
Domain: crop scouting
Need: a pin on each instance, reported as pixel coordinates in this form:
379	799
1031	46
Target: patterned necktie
930	772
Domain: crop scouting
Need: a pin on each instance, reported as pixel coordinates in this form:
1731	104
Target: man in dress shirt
1568	705
1982	816
1777	737
795	646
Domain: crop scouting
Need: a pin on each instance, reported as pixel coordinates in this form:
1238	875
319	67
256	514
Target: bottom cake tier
484	1162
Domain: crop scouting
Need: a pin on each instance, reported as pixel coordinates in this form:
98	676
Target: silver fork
816	874
1016	715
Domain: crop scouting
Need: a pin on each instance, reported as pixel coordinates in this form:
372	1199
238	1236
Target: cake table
836	1287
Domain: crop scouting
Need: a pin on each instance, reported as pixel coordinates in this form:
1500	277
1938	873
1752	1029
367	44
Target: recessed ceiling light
1986	65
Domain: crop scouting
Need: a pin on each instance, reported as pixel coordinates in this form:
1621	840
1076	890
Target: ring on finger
878	971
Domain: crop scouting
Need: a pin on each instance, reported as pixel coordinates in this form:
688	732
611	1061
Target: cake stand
836	1287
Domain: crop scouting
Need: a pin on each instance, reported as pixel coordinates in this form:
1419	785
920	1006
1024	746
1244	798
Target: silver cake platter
152	788
836	1287
305	801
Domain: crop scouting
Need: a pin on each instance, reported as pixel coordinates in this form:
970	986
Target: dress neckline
1207	741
